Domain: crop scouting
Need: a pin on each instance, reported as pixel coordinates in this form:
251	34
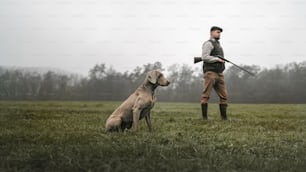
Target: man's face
215	34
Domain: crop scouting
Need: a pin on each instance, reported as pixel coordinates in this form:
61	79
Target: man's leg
222	93
209	81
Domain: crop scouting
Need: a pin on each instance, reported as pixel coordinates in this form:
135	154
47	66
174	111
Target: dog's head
157	78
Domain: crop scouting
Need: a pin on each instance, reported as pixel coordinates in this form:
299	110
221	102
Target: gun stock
197	59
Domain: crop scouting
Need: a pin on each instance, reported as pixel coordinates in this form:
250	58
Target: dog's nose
168	82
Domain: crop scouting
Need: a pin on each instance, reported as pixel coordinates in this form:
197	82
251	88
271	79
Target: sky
74	35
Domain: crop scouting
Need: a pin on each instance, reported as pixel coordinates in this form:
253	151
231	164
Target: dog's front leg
136	115
148	120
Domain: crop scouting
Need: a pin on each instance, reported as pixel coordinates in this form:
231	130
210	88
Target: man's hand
220	60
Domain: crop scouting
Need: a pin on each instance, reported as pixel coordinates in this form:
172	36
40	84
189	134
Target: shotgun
199	59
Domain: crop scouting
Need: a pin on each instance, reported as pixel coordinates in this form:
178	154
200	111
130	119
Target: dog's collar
153	87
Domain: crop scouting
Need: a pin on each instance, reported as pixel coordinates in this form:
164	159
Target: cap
216	28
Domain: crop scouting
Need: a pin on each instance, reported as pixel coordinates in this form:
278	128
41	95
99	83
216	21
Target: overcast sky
74	35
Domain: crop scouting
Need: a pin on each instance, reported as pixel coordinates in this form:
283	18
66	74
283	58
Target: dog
138	105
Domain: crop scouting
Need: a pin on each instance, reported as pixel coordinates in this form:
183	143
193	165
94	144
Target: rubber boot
204	111
223	111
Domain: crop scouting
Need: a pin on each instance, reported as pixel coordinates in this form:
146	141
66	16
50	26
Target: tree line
280	84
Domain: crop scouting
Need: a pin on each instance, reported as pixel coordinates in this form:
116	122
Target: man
213	76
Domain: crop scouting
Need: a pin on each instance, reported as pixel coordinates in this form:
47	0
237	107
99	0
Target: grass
70	136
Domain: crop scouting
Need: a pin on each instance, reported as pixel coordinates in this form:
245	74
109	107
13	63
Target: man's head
215	32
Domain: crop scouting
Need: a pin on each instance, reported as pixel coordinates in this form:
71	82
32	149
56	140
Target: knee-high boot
204	111
223	108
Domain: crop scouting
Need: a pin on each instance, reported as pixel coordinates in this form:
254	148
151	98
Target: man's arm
206	49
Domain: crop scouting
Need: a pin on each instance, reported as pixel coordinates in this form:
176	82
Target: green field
70	136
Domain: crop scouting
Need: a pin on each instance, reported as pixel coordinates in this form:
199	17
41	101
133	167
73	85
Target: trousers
213	80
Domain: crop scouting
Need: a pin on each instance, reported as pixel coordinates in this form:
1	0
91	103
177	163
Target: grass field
70	136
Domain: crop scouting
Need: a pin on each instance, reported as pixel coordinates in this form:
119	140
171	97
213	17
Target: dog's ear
152	76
